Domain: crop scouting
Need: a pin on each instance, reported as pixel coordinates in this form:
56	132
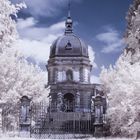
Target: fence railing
42	122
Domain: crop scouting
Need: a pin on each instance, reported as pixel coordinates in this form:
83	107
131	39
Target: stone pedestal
25	130
98	130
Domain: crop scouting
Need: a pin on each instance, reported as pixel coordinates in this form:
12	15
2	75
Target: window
55	75
68	46
69	75
69	102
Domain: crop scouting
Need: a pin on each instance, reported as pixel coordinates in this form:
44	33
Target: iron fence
60	125
44	123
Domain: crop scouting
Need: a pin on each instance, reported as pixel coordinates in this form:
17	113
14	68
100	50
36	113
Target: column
77	102
59	102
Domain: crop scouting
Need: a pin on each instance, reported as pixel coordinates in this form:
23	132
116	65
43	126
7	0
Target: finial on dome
69	14
69	21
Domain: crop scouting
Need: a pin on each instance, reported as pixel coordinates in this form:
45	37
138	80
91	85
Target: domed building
69	71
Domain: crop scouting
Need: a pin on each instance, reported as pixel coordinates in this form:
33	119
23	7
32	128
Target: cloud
26	23
91	54
28	29
45	8
37	50
35	41
110	40
94	79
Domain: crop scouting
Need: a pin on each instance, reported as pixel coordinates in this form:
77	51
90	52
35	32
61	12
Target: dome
68	45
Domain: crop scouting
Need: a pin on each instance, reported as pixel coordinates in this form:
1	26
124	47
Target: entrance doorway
69	102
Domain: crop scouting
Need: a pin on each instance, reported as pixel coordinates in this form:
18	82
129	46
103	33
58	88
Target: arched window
69	74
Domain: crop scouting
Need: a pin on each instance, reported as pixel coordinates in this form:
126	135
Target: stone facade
69	71
71	75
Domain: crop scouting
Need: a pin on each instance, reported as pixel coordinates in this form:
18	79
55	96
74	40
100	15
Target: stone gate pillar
25	117
98	110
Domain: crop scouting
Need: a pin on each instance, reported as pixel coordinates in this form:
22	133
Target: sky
100	23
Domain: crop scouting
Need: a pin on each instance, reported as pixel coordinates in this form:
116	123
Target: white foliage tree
132	37
17	77
8	32
122	81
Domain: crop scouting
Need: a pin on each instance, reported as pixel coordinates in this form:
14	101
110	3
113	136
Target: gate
60	125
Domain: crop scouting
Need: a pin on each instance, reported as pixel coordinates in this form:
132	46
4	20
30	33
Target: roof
69	45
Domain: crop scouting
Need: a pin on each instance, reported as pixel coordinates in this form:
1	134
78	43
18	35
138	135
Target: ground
7	138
